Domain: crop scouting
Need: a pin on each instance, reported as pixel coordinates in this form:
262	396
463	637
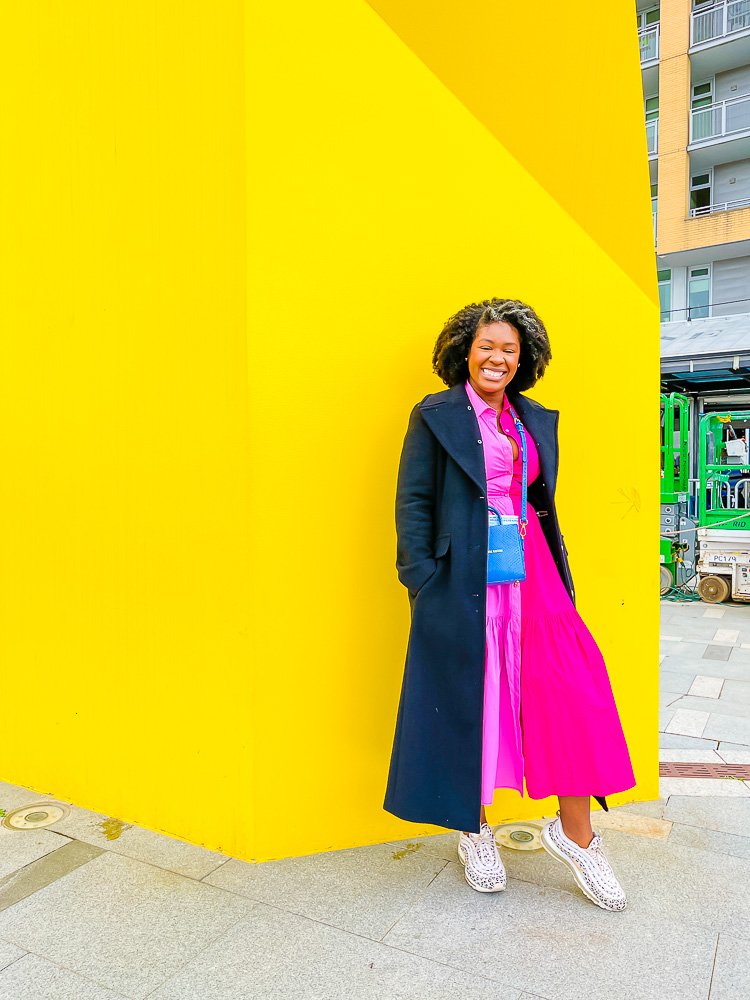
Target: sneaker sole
478	888
551	848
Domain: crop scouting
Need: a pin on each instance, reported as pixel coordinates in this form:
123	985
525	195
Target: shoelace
485	844
596	854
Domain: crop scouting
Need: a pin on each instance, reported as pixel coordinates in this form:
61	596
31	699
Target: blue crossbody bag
505	555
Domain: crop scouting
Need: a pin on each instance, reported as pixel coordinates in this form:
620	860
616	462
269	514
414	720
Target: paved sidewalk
84	917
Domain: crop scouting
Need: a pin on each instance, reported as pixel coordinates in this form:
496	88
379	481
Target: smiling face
493	360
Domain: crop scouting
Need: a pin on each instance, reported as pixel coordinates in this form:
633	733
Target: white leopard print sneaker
483	866
590	868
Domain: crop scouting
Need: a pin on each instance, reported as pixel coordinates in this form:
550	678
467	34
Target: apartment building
695	62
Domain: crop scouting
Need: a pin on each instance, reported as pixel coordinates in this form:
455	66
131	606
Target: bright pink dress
549	712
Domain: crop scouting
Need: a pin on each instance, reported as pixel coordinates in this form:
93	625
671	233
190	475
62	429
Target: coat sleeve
415	504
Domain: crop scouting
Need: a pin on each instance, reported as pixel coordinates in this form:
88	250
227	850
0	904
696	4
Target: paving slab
674	740
675	681
122	924
668	880
698	756
703	787
556	944
19	848
667	700
678	661
717	651
687	656
631	822
665	718
714	706
651	807
727	815
733	756
9	953
277	956
687	609
684	722
731	978
728	727
710	840
362	890
693	626
704	686
44	871
35	978
443	845
154	848
736	691
725	634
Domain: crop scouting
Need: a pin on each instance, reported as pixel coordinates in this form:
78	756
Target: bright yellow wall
228	250
379	203
124	545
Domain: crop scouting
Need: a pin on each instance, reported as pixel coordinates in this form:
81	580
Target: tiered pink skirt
549	711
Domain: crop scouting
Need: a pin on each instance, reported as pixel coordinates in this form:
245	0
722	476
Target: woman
502	682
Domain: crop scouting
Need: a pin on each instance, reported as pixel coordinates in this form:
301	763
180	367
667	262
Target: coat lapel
451	418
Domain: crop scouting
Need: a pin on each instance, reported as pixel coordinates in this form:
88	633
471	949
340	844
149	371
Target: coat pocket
442	544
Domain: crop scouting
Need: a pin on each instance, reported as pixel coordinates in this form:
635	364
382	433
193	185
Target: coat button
469	406
481	496
479	440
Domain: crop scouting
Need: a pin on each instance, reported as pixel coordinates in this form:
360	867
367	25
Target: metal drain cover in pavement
35	816
688	769
519	836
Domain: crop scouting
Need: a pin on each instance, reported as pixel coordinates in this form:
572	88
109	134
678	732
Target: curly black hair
456	337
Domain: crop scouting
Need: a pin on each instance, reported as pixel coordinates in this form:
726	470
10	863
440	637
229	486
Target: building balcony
720	206
649	42
652	137
719	38
722	19
720	132
648	39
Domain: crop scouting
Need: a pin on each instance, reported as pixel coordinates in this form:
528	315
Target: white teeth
493	374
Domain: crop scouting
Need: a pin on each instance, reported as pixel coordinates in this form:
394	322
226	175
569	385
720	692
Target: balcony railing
722	118
703	310
649	42
720	206
719	20
652	136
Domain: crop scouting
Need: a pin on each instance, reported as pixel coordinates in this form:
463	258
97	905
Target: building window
647	18
648	33
665	294
702	94
699	286
700	194
651	107
651	110
701	112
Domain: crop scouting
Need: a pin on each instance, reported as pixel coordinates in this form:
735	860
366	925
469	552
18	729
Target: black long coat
441	523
